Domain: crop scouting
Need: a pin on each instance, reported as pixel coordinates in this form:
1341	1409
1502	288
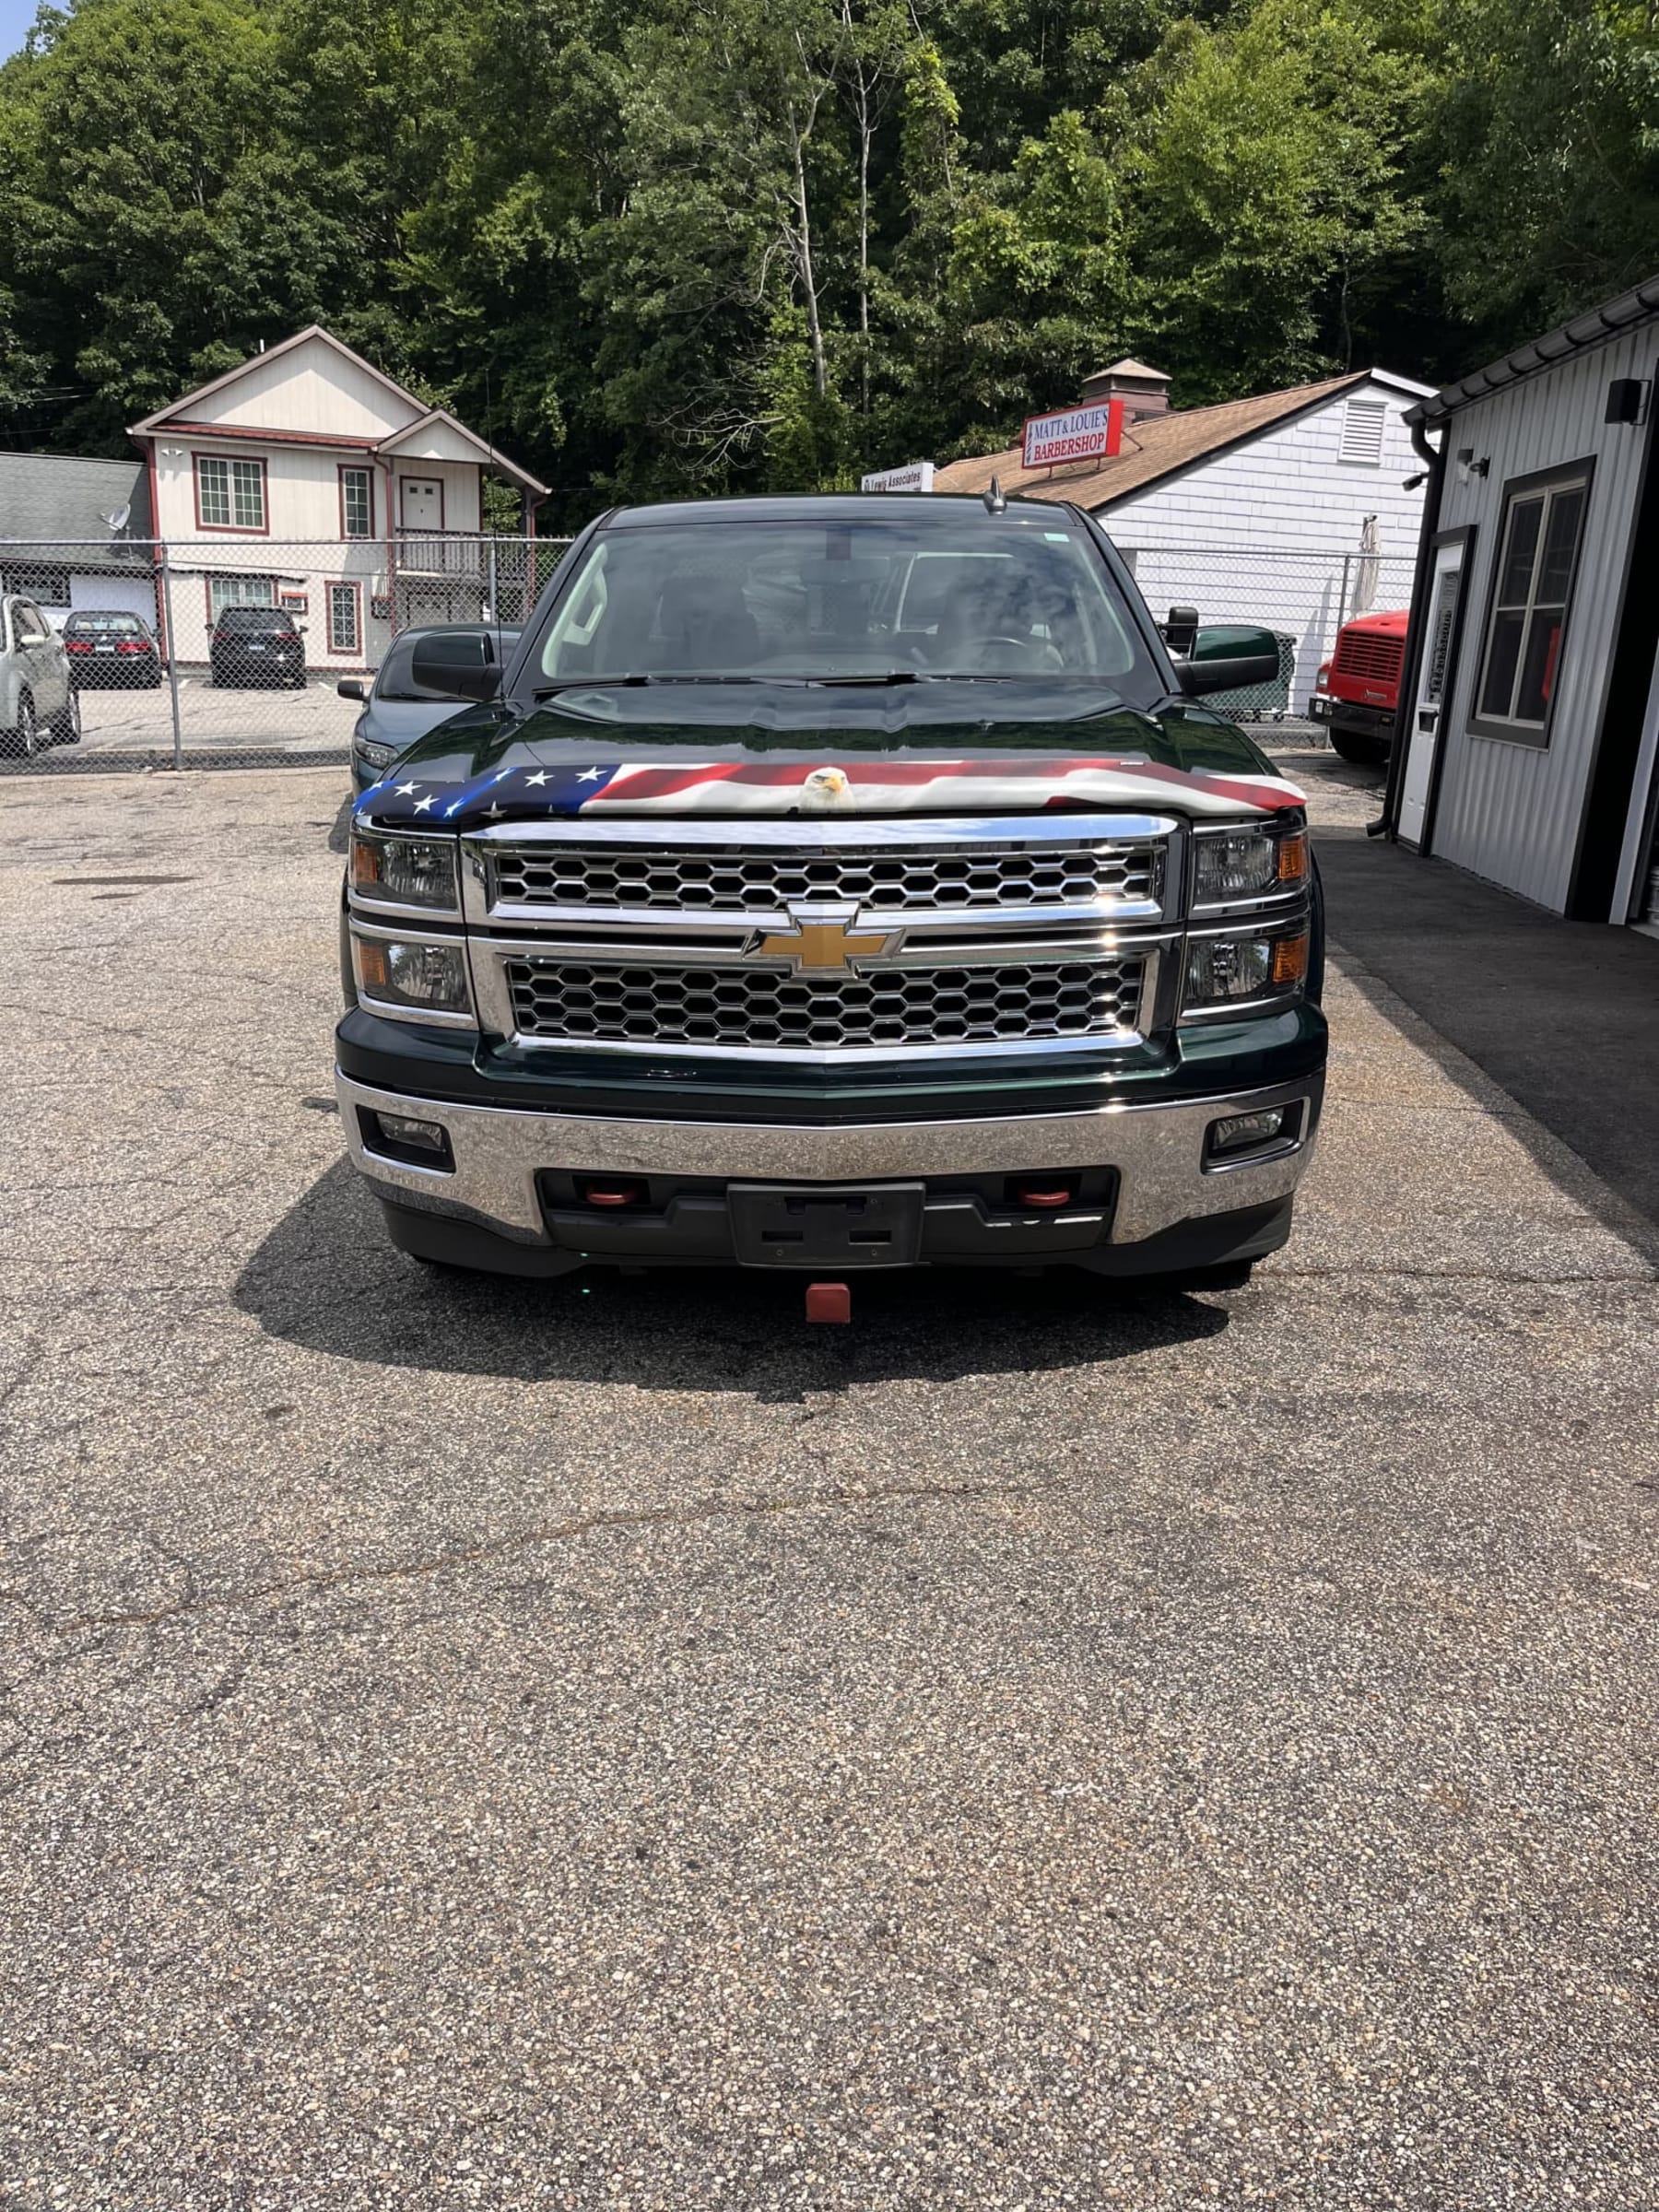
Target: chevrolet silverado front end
830	971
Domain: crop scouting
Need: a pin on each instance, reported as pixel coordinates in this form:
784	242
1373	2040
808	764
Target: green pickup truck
835	883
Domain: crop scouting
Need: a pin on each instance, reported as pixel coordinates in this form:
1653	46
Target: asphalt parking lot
212	717
606	1744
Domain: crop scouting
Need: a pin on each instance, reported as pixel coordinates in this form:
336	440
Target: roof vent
1142	390
1363	423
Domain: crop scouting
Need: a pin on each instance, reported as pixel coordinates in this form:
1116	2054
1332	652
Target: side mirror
1229	656
461	666
1179	630
350	687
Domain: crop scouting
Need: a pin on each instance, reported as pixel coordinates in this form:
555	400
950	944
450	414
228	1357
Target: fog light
405	1136
403	1129
1246	1132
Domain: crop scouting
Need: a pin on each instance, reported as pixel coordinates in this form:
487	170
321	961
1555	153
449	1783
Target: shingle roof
1155	446
66	499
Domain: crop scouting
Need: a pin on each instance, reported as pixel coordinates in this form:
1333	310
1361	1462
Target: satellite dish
118	521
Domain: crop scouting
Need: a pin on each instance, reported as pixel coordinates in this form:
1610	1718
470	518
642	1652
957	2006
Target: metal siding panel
1507	812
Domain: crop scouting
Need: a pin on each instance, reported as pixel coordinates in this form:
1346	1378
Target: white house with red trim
307	478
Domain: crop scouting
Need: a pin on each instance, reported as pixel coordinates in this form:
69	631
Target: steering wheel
1025	651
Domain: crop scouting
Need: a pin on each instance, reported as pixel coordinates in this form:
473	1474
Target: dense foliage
665	245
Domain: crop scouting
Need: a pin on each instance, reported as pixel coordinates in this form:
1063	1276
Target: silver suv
38	705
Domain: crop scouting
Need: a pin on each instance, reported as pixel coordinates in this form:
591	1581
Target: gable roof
63	500
488	454
1158	446
177	412
312	333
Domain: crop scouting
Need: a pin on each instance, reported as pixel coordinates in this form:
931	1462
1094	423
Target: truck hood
844	755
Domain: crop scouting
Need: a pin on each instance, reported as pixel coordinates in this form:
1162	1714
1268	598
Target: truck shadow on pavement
327	1277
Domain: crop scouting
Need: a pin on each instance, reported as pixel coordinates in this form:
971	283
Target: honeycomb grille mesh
894	880
760	1008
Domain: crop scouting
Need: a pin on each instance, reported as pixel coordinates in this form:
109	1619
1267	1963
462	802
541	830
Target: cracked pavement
602	1744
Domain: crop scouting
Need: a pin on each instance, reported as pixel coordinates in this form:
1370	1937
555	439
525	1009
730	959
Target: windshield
952	596
395	680
123	626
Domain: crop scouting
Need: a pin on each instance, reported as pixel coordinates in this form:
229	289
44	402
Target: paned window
239	591
343	619
357	502
231	494
1538	543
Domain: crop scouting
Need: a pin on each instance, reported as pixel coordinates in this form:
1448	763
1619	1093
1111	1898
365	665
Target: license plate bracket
825	1226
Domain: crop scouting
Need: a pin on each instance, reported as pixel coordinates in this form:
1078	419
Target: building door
1436	675
422	503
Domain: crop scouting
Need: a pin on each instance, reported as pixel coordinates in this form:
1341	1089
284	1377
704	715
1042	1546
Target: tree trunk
820	370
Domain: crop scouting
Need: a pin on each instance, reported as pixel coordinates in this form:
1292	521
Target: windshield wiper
613	683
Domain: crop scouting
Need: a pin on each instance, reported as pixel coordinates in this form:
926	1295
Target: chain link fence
1303	594
226	653
229	652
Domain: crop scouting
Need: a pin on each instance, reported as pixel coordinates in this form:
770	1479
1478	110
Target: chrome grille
896	880
755	1008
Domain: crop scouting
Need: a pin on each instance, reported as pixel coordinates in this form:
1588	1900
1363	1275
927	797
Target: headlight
422	977
1223	971
1249	863
404	871
373	754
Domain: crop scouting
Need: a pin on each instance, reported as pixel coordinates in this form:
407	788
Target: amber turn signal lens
365	862
1292	858
1289	960
371	965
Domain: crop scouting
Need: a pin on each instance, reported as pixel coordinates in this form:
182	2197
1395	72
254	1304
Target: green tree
1550	146
164	214
1262	164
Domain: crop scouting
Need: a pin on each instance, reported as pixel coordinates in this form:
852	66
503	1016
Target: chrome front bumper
1157	1151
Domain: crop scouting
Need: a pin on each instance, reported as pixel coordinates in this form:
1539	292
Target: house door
1435	678
422	503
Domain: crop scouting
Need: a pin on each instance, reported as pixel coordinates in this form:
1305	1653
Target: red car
1357	690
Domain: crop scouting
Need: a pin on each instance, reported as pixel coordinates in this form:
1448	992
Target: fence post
172	656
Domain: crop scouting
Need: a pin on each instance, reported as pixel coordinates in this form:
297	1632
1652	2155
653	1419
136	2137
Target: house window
1363	422
343	627
239	591
1538	542
229	494
357	502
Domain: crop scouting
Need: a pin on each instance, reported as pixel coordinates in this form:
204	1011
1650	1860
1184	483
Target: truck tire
1362	752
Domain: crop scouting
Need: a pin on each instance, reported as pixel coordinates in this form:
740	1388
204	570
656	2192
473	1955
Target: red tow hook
611	1194
829	1302
1040	1194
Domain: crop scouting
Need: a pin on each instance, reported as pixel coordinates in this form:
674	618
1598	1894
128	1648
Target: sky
16	15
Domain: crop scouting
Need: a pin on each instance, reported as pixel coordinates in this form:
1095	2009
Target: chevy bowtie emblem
824	939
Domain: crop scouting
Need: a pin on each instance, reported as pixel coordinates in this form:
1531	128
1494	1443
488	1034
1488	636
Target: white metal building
1252	511
1525	748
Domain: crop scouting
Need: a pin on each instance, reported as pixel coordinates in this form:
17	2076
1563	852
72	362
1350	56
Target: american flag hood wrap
1013	783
